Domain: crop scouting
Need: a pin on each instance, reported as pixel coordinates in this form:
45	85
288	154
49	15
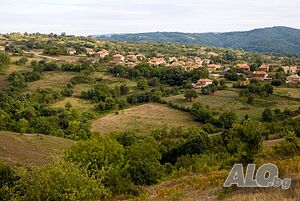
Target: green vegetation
142	131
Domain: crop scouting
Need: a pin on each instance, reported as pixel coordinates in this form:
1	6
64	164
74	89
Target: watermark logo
266	176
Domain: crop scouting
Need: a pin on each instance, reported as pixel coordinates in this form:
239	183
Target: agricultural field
229	100
30	149
143	119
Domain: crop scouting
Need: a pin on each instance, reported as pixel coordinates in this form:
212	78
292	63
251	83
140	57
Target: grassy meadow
143	119
229	100
51	80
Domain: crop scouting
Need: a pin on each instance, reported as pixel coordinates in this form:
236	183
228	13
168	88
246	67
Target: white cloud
107	16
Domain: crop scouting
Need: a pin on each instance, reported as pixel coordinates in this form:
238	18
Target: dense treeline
165	75
282	40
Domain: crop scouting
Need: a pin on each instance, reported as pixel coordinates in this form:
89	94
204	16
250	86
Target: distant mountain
278	40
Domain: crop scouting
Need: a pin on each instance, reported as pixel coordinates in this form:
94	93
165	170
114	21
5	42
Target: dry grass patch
51	80
30	149
111	80
77	89
290	92
80	104
143	119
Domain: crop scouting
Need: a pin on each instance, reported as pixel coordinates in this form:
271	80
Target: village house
244	67
205	61
202	83
225	70
182	58
173	60
131	64
214	76
131	58
290	69
159	55
157	61
189	68
101	54
264	68
213	54
117	59
189	63
198	60
176	64
90	51
71	51
140	57
259	75
2	48
294	79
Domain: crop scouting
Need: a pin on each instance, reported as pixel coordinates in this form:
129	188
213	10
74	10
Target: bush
22	60
143	160
201	114
60	181
4	59
290	146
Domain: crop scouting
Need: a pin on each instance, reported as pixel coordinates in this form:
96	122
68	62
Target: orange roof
118	55
264	66
204	80
259	73
242	65
294	76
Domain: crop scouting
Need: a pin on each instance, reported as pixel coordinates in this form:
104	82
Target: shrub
60	181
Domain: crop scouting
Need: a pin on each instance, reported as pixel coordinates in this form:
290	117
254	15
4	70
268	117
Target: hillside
278	40
30	149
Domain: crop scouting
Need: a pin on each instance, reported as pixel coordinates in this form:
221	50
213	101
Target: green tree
250	100
143	160
189	94
104	158
4	59
118	70
244	140
22	60
8	180
227	119
267	115
142	84
124	89
201	113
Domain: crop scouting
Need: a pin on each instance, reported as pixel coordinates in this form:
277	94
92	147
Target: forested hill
282	40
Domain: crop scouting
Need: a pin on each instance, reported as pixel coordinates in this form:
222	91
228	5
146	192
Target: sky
89	17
